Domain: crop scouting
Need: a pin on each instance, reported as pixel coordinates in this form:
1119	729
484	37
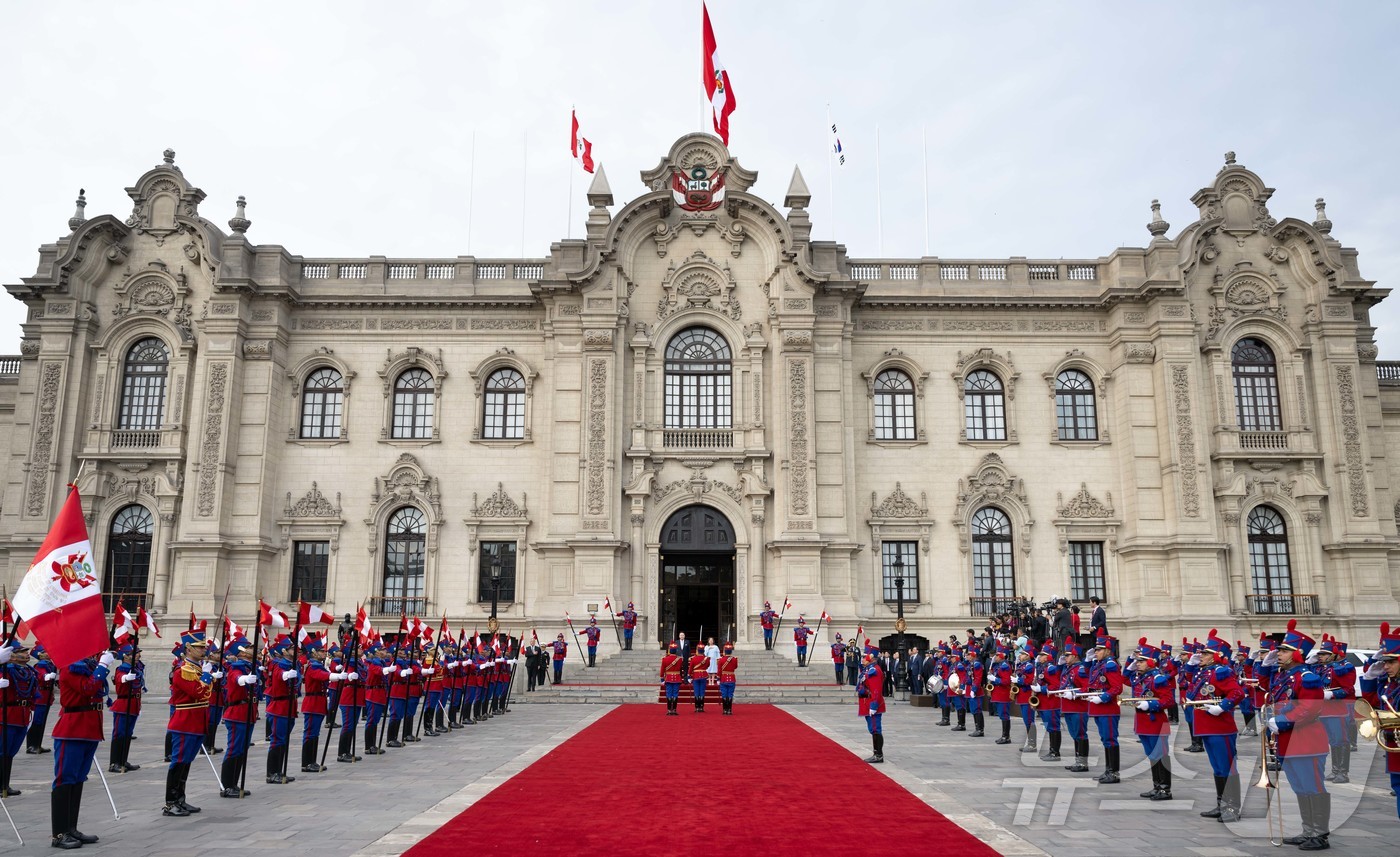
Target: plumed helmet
674	648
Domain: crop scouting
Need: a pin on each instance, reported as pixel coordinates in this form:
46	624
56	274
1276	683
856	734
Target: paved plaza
383	805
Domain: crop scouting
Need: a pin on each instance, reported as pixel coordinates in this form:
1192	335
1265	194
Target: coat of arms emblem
700	190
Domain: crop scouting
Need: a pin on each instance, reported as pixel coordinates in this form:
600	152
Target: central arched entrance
697	575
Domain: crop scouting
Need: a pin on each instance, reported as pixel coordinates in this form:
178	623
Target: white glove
217	674
1375	670
1215	710
4	682
208	667
1327	694
107	660
512	662
5	652
288	675
247	680
1144	706
1036	688
428	670
50	676
128	677
1273	724
406	672
336	677
354	676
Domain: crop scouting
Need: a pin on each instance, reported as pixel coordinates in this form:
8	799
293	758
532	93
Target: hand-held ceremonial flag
580	145
58	597
144	620
123	626
270	617
310	614
577	645
716	79
607	605
779	625
816	634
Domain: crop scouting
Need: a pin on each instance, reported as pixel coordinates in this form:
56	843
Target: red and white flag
231	630
716	80
607	603
310	614
58	597
268	616
579	145
824	618
362	625
535	635
787	605
123	626
144	620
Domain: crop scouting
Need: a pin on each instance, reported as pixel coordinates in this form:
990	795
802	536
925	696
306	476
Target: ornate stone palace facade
697	407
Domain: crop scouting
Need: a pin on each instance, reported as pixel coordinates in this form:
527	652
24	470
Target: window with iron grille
1075	416
143	385
1086	571
491	552
310	561
698	381
404	553
1256	386
504	416
322	401
900	560
894	406
984	406
993	568
128	554
413	405
1268	554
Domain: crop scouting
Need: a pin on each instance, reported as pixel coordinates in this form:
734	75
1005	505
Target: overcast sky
1050	126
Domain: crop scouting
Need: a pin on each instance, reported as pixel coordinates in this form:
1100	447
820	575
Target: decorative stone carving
978	324
50	377
416	324
1367	352
210	447
330	324
1135	318
598	339
986	358
264	315
29	348
797	339
503	324
1185	440
313	505
1063	325
1338	311
899	505
1231	519
1083	505
797	436
223	309
893	324
1351	443
1312	518
499	505
257	349
406	483
597	435
992	483
1241	294
699	282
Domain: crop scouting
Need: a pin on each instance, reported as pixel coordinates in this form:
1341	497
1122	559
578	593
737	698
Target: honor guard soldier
352	701
629	625
592	633
435	679
699	679
376	668
943	669
799	636
1023	676
1046	678
766	620
972	691
19	688
81	688
281	708
999	678
870	704
957	690
671	678
398	674
415	694
1339	679
190	689
558	651
838	658
1155	693
1105	684
728	668
1297	697
128	682
217	699
1244	674
1189	682
1380	685
47	675
315	702
240	713
1074	709
1214	721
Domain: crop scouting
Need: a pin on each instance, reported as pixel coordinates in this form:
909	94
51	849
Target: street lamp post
492	623
899	624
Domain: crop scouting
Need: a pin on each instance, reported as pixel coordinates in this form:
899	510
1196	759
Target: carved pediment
899	505
313	505
992	482
1083	505
499	505
699	281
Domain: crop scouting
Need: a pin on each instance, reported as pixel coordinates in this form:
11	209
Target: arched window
322	402
894	406
698	385
1074	406
993	571
1268	561
1256	386
504	415
413	405
984	406
128	556
143	386
405	549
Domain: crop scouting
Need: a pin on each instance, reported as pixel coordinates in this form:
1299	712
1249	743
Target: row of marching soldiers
1304	691
456	683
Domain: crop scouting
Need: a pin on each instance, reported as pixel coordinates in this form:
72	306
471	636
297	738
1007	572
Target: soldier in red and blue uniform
1170	668
216	702
1023	673
1339	679
1045	677
240	713
47	675
728	667
1156	693
281	680
838	658
629	625
315	703
190	688
799	636
972	691
1244	674
559	649
1074	679
81	688
766	620
944	669
1380	686
472	664
1000	679
870	704
436	678
957	697
352	701
591	634
377	670
1106	683
671	678
1188	682
699	679
19	689
398	674
1214	723
129	682
1296	695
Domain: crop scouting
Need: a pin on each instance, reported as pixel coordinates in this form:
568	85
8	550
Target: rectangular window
309	563
900	560
1086	570
490	553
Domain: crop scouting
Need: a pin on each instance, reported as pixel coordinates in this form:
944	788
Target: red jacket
1161	691
81	693
281	693
128	693
20	695
871	694
728	665
237	696
698	666
1297	695
671	668
190	691
1074	677
316	680
1230	693
1001	682
1047	675
1107	677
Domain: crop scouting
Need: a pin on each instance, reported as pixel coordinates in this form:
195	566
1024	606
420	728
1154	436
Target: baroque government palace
699	408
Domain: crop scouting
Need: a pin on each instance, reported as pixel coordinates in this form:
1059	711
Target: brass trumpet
1384	726
1134	700
1211	701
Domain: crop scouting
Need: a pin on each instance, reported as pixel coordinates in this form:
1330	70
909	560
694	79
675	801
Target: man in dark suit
683	649
541	665
916	668
888	663
532	666
1098	622
1062	626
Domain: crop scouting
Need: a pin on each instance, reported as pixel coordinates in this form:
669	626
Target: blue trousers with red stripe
1221	750
350	716
11	739
396	709
1051	719
726	690
1336	730
1305	774
1027	715
72	759
281	728
1395	787
1107	724
1076	726
311	726
1154	746
184	746
237	739
673	690
413	707
697	689
1002	710
373	712
872	723
123	725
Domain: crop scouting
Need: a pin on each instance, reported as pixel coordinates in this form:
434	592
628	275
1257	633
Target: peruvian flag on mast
716	80
581	146
59	597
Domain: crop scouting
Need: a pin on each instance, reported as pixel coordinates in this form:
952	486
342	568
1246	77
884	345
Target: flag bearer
190	689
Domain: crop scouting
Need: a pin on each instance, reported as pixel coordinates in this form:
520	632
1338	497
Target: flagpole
471	192
524	184
569	209
830	181
879	204
927	248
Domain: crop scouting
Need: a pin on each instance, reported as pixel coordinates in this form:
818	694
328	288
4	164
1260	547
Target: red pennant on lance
535	635
310	614
144	620
581	146
716	79
58	597
7	613
268	616
607	602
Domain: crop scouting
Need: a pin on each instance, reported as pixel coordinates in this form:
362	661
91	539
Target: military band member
19	688
1168	665
999	677
1339	678
592	633
838	658
1046	678
1296	695
1188	684
128	683
1380	685
766	620
943	667
1244	674
1214	723
1023	676
671	678
799	636
972	692
870	704
629	625
1106	683
728	667
81	688
240	713
699	680
1156	694
46	674
190	689
1074	679
558	651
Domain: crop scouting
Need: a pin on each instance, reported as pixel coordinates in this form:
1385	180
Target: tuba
1384	726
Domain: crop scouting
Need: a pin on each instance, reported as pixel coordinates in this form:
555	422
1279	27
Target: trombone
1268	758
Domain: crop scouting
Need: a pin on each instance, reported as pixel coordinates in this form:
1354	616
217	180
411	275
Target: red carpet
638	782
